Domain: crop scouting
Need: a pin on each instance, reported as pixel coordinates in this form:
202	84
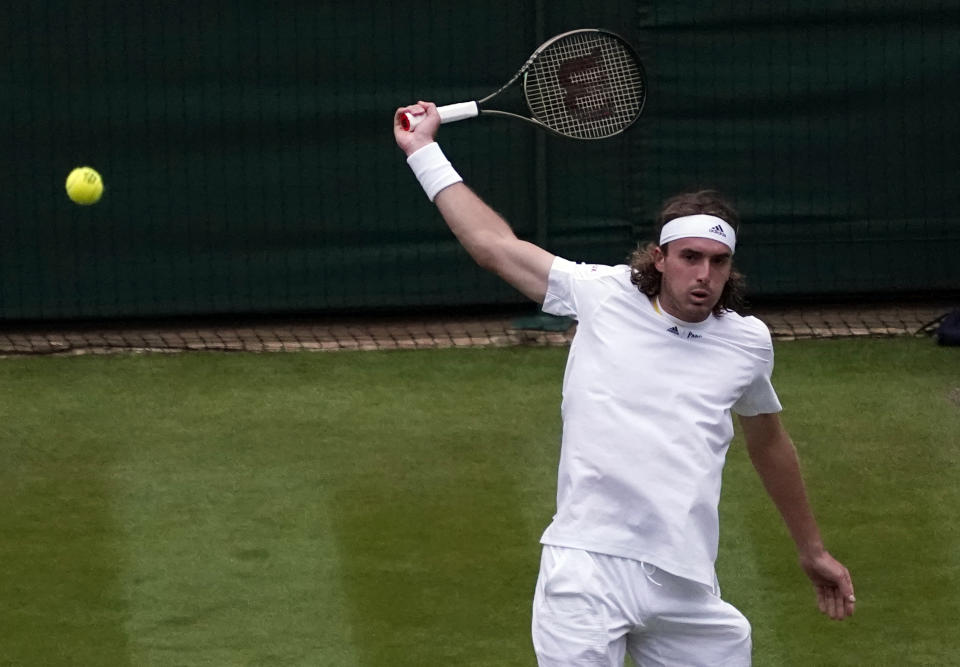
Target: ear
659	257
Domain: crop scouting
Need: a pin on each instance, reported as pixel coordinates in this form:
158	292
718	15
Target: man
656	367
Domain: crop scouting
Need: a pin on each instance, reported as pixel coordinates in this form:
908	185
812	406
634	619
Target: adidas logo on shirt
689	334
718	230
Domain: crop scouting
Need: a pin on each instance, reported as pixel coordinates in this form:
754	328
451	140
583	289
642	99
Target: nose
703	271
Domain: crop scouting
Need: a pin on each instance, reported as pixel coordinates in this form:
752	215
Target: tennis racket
583	84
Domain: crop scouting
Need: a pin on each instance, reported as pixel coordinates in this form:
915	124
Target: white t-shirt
646	420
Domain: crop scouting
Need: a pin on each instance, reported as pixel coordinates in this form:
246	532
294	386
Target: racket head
585	84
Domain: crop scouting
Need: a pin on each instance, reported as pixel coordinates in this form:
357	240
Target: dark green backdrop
250	167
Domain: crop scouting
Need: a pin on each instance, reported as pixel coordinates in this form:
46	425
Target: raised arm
775	459
485	235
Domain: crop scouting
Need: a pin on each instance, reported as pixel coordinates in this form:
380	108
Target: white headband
699	226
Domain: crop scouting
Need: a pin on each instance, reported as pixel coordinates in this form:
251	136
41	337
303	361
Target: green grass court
383	508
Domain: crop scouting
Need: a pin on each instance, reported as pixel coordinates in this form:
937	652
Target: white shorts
590	609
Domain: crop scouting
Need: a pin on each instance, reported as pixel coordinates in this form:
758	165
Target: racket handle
448	114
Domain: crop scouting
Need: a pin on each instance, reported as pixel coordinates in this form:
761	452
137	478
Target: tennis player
658	363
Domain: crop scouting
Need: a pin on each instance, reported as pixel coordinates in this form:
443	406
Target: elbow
486	259
486	253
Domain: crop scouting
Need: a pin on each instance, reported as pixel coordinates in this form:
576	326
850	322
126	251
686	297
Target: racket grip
448	114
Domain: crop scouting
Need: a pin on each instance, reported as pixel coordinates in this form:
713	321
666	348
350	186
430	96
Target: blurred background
249	164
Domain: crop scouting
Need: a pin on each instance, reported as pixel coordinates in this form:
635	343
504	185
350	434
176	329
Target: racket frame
463	110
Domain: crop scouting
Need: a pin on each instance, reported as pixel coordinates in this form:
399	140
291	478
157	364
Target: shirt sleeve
760	398
560	299
573	288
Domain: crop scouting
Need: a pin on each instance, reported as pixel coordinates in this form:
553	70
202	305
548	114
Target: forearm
779	468
473	222
775	459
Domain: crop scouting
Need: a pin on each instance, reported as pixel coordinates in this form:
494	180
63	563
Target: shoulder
589	272
747	329
578	288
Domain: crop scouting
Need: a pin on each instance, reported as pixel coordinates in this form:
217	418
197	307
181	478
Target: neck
672	311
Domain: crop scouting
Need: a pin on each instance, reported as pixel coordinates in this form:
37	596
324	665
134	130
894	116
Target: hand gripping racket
583	84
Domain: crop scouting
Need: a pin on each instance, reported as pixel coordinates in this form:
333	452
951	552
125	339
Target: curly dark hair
645	275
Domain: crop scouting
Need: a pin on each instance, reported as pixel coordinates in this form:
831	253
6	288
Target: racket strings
587	86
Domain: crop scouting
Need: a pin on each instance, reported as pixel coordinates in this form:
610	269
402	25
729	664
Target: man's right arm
485	235
492	244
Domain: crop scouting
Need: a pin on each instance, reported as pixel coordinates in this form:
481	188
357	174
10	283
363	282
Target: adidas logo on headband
699	226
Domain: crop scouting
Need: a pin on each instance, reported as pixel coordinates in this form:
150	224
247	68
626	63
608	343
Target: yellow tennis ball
84	186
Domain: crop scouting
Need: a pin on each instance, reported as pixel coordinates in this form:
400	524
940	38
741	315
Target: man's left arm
775	459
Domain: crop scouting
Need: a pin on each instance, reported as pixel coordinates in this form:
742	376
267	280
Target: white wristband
432	169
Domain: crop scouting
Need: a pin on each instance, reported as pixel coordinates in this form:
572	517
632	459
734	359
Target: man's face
694	274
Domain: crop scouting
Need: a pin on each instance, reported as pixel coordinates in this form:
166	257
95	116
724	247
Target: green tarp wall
250	166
